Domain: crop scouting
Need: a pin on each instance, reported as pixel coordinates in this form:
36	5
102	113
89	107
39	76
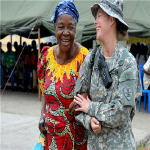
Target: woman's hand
82	102
72	108
42	128
95	125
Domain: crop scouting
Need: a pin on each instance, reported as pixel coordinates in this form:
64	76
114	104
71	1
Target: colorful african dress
57	86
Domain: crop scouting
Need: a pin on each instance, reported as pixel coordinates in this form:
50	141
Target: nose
95	22
66	31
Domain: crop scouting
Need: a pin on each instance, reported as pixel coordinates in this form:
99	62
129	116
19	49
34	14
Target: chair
144	92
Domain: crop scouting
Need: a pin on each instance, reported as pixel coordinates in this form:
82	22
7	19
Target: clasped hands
81	104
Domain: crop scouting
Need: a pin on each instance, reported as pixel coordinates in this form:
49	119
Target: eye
71	27
60	27
98	15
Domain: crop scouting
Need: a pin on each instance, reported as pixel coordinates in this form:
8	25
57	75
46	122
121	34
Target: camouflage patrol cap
113	8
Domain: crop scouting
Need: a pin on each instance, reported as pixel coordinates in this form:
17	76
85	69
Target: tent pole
20	40
39	91
11	40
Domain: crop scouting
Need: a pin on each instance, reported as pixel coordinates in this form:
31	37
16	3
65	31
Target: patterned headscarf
65	7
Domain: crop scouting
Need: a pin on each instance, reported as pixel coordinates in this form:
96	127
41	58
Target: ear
55	25
55	28
112	20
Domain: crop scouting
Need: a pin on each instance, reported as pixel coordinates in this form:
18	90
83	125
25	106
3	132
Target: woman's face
103	24
65	29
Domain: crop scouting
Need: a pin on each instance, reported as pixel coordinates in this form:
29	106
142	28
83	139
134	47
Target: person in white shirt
146	70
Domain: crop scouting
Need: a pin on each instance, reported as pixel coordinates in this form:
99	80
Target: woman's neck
63	57
109	45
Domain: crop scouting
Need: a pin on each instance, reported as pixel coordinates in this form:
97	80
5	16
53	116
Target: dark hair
121	28
133	50
143	51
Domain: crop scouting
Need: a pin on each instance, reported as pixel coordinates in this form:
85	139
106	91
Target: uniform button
100	92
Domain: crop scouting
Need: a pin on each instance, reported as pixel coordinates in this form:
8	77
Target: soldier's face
103	24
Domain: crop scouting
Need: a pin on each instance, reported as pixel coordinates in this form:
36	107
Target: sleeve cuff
85	120
92	109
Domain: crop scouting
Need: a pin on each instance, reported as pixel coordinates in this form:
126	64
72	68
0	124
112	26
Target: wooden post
20	40
11	41
39	91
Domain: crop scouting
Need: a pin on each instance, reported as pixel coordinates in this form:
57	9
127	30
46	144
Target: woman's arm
41	67
147	72
42	119
43	105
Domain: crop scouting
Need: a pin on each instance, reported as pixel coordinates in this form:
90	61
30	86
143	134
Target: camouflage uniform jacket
113	107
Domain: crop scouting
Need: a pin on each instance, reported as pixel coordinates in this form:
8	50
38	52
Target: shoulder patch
127	91
81	71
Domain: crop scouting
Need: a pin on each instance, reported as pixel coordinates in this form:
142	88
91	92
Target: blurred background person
2	66
9	62
146	70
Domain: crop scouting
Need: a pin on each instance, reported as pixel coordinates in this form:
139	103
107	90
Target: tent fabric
137	15
133	39
24	17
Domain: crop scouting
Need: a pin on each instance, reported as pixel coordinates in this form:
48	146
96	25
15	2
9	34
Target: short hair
121	28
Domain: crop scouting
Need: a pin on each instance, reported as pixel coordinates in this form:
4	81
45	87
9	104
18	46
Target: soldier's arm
83	81
115	113
85	120
82	86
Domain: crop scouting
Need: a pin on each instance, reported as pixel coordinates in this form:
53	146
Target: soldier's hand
95	125
83	102
42	128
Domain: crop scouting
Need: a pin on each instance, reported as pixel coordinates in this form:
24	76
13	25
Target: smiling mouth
65	42
98	28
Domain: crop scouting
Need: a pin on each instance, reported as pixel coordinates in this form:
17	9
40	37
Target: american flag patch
80	71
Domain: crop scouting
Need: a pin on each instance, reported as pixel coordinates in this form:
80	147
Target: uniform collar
115	57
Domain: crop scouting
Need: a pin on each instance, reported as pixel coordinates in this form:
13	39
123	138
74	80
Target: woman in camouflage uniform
111	106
